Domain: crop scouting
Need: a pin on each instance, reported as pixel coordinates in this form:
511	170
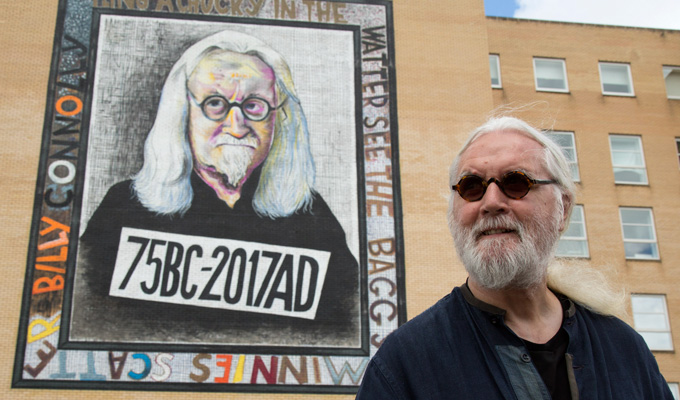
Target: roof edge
581	24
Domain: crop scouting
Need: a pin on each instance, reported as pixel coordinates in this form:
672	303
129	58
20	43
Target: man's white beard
506	262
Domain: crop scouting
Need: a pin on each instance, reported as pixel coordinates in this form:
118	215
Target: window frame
675	389
583	238
630	79
634	167
497	63
653	240
666	330
663	70
573	146
563	63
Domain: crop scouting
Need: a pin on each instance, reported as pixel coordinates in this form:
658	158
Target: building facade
610	95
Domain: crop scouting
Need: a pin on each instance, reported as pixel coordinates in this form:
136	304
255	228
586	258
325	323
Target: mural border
49	278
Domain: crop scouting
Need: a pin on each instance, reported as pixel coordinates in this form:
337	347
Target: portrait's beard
232	157
509	262
234	164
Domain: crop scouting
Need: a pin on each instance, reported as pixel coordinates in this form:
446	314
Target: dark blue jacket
461	348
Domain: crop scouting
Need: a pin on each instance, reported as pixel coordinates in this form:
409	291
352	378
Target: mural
217	198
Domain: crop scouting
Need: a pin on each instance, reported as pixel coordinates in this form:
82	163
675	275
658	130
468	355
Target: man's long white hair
287	179
579	281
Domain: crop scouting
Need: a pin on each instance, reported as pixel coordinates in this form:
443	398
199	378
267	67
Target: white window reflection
628	160
639	237
574	242
550	75
495	67
616	79
566	142
651	320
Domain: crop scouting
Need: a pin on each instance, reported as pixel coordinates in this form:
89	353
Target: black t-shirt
549	359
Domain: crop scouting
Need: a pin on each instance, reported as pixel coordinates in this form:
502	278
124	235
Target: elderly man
220	237
516	329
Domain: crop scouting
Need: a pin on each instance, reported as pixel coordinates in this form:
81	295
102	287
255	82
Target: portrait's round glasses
216	108
514	184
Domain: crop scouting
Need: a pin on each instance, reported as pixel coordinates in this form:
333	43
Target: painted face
230	130
505	242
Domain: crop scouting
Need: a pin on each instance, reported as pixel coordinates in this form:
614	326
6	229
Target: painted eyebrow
257	94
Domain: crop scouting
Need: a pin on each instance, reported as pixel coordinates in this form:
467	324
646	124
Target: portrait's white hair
582	283
287	179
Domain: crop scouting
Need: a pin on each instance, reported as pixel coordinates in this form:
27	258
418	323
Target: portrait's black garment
99	315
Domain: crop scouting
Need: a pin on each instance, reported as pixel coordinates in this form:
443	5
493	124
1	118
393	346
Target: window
550	75
616	79
677	147
651	320
639	238
628	160
495	66
674	389
574	242
672	77
566	142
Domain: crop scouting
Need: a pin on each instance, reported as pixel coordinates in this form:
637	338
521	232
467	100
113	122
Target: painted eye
215	107
256	109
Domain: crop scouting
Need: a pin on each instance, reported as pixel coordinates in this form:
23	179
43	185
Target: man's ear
567	203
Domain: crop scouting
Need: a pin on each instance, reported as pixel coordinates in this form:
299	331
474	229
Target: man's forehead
502	150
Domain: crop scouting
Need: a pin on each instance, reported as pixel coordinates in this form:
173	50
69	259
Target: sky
660	14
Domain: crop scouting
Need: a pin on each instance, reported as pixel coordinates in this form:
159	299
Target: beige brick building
610	89
623	138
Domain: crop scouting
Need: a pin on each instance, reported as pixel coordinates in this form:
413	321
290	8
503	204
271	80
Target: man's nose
494	201
235	123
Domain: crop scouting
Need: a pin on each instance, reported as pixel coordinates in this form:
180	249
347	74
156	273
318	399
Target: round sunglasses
514	184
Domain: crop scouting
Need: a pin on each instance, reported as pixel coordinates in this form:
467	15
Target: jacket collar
567	305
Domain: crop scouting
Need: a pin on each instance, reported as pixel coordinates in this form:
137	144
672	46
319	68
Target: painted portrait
221	197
